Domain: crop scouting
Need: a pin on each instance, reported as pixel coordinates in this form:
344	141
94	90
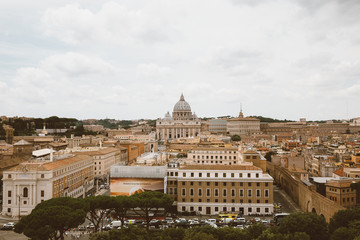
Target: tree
235	138
120	206
268	155
149	203
310	223
343	218
344	233
131	233
173	234
50	222
73	203
255	230
98	207
205	232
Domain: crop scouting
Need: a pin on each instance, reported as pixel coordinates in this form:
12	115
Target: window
249	184
200	191
183	183
216	174
224	192
258	210
191	183
9	176
266	210
249	209
233	184
199	183
233	192
258	192
25	192
249	175
43	193
240	175
207	183
266	193
258	184
241	192
9	201
216	209
183	209
232	175
216	193
216	184
184	174
208	174
224	184
249	193
208	192
192	174
183	192
224	174
257	175
9	193
200	174
191	192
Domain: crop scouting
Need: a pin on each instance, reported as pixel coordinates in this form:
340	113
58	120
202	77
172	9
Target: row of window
224	192
224	175
214	157
233	184
224	200
25	193
207	152
225	209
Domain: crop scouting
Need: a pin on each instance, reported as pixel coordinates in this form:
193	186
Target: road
288	205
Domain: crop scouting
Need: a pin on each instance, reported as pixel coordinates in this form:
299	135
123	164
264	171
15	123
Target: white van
115	224
212	220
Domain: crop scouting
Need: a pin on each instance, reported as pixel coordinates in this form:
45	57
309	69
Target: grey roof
118	171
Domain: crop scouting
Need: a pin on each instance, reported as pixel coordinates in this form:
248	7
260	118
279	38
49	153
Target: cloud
152	71
113	23
76	64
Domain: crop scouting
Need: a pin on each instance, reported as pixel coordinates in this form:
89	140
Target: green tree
149	203
50	222
173	234
97	210
268	155
131	233
100	236
235	138
230	233
344	233
200	236
73	203
310	223
343	218
120	206
195	233
255	230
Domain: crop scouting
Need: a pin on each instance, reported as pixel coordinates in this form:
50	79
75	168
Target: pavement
287	204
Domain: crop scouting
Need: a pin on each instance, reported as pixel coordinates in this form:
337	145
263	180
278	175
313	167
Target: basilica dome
182	105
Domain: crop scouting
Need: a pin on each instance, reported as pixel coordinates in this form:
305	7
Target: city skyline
132	60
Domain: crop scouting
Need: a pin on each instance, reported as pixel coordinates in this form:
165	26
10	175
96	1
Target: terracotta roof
99	152
339	172
341	182
46	166
218	167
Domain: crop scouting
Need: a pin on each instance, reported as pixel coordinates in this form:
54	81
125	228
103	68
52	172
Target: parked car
8	226
82	228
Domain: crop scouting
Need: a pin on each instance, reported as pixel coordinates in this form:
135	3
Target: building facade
211	189
30	183
243	125
182	124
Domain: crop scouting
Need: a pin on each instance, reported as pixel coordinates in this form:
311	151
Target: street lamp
19	196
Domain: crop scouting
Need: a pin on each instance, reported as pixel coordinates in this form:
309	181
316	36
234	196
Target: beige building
211	189
182	124
243	125
32	182
103	160
213	155
339	191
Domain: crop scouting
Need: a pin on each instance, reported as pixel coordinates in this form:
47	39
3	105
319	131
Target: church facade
183	123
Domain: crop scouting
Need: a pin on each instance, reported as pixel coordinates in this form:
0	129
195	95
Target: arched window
25	192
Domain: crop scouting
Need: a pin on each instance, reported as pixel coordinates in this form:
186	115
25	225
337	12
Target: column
176	132
163	133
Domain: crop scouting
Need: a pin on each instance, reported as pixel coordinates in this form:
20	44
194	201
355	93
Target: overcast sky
133	59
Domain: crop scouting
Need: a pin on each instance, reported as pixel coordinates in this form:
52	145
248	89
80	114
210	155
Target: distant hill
271	120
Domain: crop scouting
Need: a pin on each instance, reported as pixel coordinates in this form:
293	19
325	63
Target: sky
133	59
